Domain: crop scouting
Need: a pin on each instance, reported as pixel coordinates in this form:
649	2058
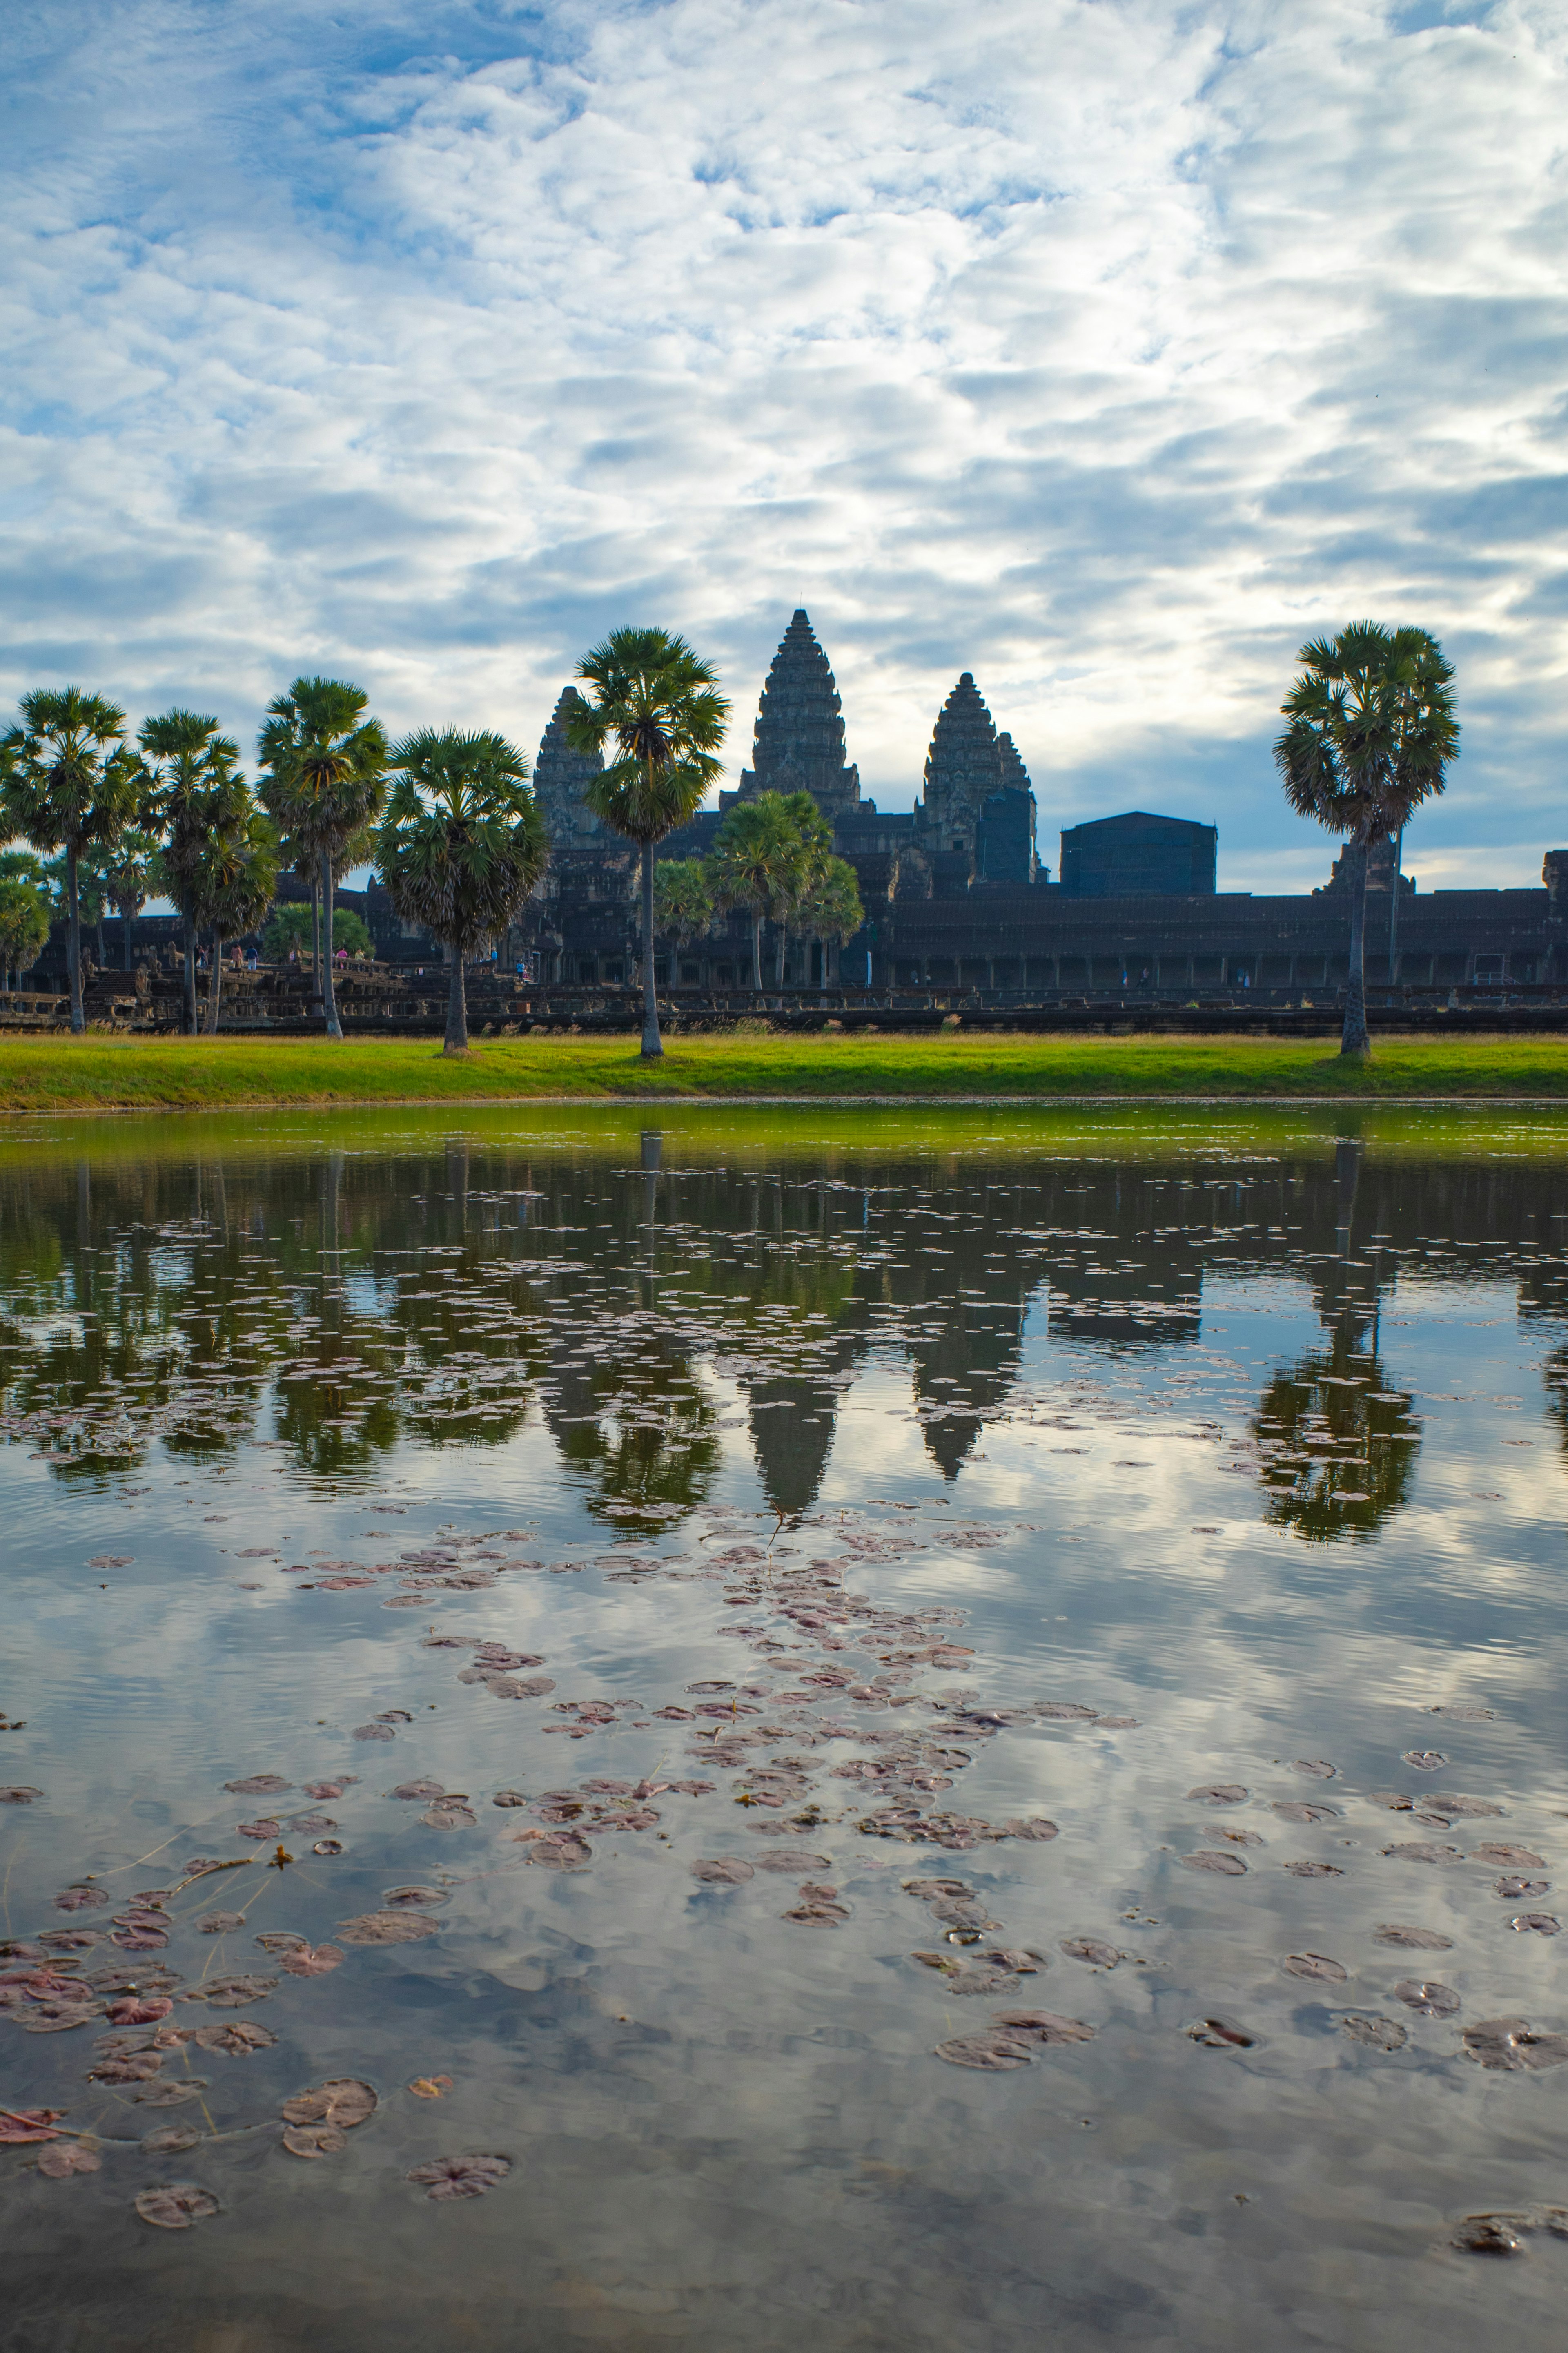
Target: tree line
450	821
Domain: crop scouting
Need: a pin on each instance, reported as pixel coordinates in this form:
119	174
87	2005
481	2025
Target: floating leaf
1314	1869
1510	2045
1297	1810
1316	1768
232	1991
259	1785
236	2041
267	1828
323	1790
312	1960
1089	1948
430	2087
1428	1997
791	1861
220	1924
328	1847
1314	1965
385	1928
173	2091
1218	1793
1042	2026
423	1790
1489	2234
1227	1866
138	2010
64	2157
128	2067
19	2127
342	2100
170	2140
1218	2034
1519	1858
1461	1809
1540	1924
1515	1891
175	2206
406	1898
729	1870
1425	1760
81	1899
315	2140
992	2053
566	1850
468	2176
1038	1830
818	1912
373	1732
1377	2034
1423	1851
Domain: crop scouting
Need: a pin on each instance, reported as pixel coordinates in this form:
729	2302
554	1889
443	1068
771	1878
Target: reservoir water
807	1729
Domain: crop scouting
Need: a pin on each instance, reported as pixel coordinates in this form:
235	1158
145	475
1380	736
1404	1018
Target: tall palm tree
682	904
800	875
660	703
70	782
831	910
128	881
758	862
193	785
1370	729
325	783
461	846
235	883
24	916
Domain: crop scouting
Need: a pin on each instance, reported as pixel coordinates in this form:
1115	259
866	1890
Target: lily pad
1316	1965
64	2157
1045	2027
1537	1924
259	1785
1377	2034
994	2053
730	1871
468	2176
342	2100
1428	1997
315	2140
232	1991
1218	1793
1224	1866
1511	2044
175	2206
1500	1850
236	2041
170	2140
385	1928
220	1924
1100	1956
1413	1940
1219	2035
312	1960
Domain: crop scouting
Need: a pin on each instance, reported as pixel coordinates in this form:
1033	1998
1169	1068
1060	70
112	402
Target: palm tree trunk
757	950
215	991
328	994
188	993
783	949
73	943
1394	908
456	1008
1356	1039
315	946
652	1044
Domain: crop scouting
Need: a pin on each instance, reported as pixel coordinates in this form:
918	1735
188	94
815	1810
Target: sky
1108	349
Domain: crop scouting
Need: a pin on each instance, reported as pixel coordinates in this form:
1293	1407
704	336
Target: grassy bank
101	1073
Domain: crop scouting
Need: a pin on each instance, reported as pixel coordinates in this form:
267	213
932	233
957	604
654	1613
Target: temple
955	895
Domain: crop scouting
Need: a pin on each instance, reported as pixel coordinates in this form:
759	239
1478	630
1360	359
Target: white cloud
1106	350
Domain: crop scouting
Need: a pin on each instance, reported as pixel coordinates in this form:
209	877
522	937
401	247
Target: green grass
104	1073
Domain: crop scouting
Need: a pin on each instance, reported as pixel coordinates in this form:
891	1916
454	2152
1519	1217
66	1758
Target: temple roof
798	741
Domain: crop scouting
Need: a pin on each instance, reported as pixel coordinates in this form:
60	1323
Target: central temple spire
798	744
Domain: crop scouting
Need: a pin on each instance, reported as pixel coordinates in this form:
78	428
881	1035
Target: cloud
1106	350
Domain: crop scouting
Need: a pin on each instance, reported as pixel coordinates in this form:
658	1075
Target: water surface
848	1595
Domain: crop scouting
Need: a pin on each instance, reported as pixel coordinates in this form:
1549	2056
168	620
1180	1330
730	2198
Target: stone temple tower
798	744
559	776
962	770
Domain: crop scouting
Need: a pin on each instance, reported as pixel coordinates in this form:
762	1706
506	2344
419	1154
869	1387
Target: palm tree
759	861
831	909
461	846
235	883
682	904
23	915
660	703
128	881
325	785
1371	731
71	784
193	786
802	875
